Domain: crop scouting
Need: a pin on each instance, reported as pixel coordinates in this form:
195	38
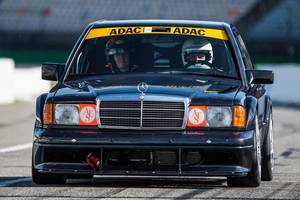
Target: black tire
253	178
40	178
268	153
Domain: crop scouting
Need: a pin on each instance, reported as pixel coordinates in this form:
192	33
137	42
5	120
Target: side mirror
52	71
260	76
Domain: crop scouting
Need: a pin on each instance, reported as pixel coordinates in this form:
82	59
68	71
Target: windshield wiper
196	73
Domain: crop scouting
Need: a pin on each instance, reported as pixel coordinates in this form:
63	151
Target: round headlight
66	114
218	116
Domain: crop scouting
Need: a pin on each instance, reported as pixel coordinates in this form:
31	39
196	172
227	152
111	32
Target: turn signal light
48	114
216	116
70	114
238	117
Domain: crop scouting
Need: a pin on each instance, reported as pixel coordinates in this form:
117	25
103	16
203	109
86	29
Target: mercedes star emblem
142	87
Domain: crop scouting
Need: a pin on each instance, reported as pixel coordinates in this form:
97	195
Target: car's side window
245	54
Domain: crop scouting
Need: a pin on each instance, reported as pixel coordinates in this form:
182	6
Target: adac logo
142	87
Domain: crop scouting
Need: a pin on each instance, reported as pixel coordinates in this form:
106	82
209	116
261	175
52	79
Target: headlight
70	114
66	114
218	116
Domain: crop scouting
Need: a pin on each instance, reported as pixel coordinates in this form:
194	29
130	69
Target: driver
118	53
197	54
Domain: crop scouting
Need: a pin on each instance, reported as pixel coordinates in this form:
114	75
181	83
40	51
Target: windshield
154	53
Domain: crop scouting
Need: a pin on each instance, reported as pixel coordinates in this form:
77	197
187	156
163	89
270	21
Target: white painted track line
11	182
16	148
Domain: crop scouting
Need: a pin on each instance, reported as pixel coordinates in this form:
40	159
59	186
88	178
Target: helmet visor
196	56
115	51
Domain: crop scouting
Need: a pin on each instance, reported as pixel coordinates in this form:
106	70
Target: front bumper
226	153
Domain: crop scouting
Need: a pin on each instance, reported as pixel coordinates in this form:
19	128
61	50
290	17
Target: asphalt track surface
16	126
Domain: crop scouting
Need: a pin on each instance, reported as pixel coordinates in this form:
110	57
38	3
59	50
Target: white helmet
197	52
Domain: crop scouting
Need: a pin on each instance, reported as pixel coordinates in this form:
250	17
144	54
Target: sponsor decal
189	31
125	31
87	114
196	116
193	31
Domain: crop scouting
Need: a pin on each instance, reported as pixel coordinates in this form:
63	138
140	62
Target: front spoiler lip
82	169
143	146
207	138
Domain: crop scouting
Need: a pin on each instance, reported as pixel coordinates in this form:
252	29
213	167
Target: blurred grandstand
39	30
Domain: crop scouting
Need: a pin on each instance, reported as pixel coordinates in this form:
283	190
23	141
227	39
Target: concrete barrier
285	90
20	84
7	67
28	84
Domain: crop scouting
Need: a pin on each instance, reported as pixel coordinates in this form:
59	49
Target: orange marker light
87	115
238	117
196	116
48	114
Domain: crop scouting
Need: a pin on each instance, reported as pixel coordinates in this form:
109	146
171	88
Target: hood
199	89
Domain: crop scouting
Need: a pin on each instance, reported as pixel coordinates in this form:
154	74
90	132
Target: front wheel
253	178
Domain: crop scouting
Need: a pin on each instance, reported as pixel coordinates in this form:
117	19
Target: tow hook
93	161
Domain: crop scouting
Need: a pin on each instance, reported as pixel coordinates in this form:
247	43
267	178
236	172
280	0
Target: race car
155	98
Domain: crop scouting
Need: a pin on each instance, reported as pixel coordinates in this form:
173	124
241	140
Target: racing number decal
87	114
193	31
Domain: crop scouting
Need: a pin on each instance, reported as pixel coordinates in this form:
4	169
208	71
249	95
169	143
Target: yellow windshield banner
136	30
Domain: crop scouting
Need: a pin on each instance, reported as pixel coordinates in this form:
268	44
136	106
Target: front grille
141	114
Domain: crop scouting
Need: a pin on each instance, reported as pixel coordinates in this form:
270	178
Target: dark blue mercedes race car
155	98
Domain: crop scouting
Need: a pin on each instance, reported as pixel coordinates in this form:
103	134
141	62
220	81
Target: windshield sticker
192	31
